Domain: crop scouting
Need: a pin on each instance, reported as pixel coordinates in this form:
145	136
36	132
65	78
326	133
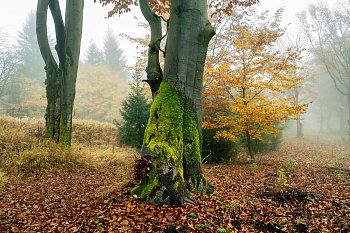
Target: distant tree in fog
8	63
328	33
29	52
8	68
113	54
94	56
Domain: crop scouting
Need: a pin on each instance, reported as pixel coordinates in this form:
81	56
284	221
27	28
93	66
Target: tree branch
41	31
154	71
59	28
335	81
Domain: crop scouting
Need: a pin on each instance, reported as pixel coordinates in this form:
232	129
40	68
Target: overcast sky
13	14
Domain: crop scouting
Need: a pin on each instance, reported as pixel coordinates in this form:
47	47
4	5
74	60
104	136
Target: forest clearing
303	186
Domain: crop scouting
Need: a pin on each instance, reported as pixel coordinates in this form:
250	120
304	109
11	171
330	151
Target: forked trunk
60	80
53	84
173	134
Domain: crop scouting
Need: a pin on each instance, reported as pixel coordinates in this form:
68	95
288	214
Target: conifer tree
94	55
135	110
29	52
113	54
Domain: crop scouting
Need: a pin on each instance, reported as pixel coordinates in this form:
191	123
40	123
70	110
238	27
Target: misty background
107	54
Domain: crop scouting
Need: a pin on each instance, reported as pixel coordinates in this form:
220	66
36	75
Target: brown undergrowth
303	186
22	150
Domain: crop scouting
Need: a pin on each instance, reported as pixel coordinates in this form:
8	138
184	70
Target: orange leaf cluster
163	6
120	6
226	6
252	82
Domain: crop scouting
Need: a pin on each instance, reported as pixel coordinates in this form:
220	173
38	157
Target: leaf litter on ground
303	186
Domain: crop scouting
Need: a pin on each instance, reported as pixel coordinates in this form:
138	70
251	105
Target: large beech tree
61	77
172	138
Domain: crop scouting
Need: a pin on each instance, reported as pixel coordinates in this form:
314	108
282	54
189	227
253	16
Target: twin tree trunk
173	134
60	79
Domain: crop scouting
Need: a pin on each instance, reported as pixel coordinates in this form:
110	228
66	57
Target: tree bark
60	80
53	83
249	146
73	32
154	71
173	134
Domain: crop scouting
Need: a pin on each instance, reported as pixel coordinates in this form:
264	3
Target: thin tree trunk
74	23
300	133
249	145
342	125
53	108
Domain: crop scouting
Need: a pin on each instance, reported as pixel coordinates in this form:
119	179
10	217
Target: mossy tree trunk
60	79
53	83
173	134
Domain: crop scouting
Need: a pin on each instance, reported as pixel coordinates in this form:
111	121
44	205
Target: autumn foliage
163	6
249	83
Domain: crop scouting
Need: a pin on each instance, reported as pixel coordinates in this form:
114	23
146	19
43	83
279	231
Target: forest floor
304	186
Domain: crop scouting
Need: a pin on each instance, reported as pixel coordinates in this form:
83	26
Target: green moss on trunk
172	138
192	154
53	100
164	138
65	140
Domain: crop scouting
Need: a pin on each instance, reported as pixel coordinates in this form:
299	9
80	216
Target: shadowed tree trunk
60	79
173	134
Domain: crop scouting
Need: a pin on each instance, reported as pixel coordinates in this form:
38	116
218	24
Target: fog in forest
231	116
106	67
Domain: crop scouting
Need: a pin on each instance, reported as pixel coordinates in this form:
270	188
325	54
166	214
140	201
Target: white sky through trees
13	14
